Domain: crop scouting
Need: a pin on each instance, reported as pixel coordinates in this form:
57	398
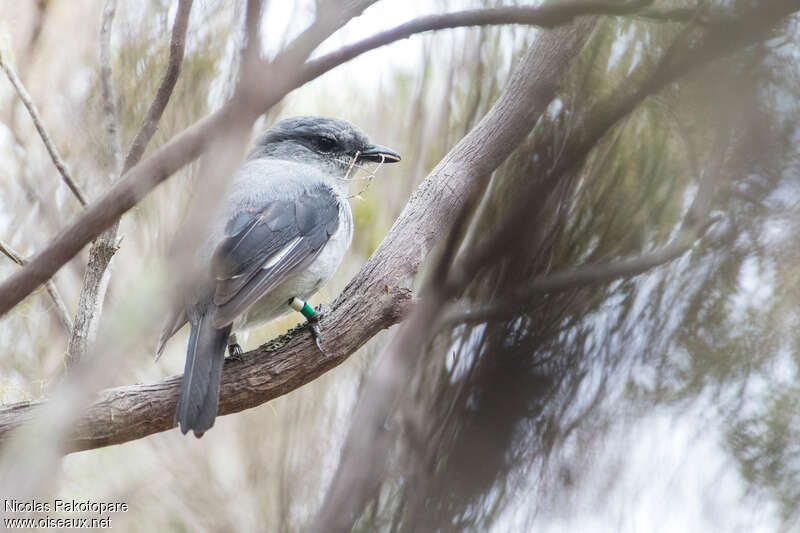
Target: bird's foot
235	352
313	325
313	316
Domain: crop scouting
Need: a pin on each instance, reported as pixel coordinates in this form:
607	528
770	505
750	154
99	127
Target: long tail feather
199	397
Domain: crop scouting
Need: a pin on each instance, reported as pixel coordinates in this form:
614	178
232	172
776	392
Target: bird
281	232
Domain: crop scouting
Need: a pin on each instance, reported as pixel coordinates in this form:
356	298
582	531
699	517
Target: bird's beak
378	153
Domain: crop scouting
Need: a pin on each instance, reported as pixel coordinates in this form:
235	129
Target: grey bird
283	229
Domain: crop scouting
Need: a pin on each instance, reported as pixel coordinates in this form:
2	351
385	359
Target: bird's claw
235	352
313	325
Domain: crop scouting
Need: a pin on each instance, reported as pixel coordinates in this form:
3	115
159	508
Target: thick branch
247	104
128	413
365	306
59	163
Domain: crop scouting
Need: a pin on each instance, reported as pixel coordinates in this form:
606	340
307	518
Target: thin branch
96	276
59	163
109	93
60	308
677	14
511	307
9	252
683	55
251	54
95	282
548	16
177	47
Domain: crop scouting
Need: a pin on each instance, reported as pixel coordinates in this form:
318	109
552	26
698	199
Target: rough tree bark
102	250
256	93
375	299
532	87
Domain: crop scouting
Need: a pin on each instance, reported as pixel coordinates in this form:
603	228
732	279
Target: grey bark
257	92
102	250
464	172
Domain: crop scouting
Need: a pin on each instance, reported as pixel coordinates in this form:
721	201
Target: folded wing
264	247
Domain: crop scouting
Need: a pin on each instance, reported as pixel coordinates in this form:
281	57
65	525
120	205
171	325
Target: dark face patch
328	137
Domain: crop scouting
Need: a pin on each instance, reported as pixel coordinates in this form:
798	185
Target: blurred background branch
102	250
253	100
581	347
60	309
58	161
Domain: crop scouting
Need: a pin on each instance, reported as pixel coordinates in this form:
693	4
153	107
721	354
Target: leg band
299	305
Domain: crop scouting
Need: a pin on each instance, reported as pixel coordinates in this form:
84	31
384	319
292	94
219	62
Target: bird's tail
197	404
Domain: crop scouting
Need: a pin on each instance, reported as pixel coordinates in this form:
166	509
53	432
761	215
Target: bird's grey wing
262	248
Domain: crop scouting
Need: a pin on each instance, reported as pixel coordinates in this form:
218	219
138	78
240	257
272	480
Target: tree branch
95	281
96	276
582	276
547	16
109	93
364	307
532	87
676	14
177	47
185	147
59	163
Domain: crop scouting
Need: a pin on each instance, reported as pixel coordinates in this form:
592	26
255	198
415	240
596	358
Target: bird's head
329	142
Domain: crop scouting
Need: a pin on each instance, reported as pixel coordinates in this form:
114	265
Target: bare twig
247	103
676	14
95	281
59	163
518	302
60	308
110	114
547	16
251	53
177	47
96	276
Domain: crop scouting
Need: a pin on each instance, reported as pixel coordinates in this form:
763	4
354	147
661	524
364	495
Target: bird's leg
313	317
235	351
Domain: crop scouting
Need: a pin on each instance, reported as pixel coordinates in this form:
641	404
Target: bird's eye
325	144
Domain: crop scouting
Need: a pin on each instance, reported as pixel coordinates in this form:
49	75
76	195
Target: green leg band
299	305
307	310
